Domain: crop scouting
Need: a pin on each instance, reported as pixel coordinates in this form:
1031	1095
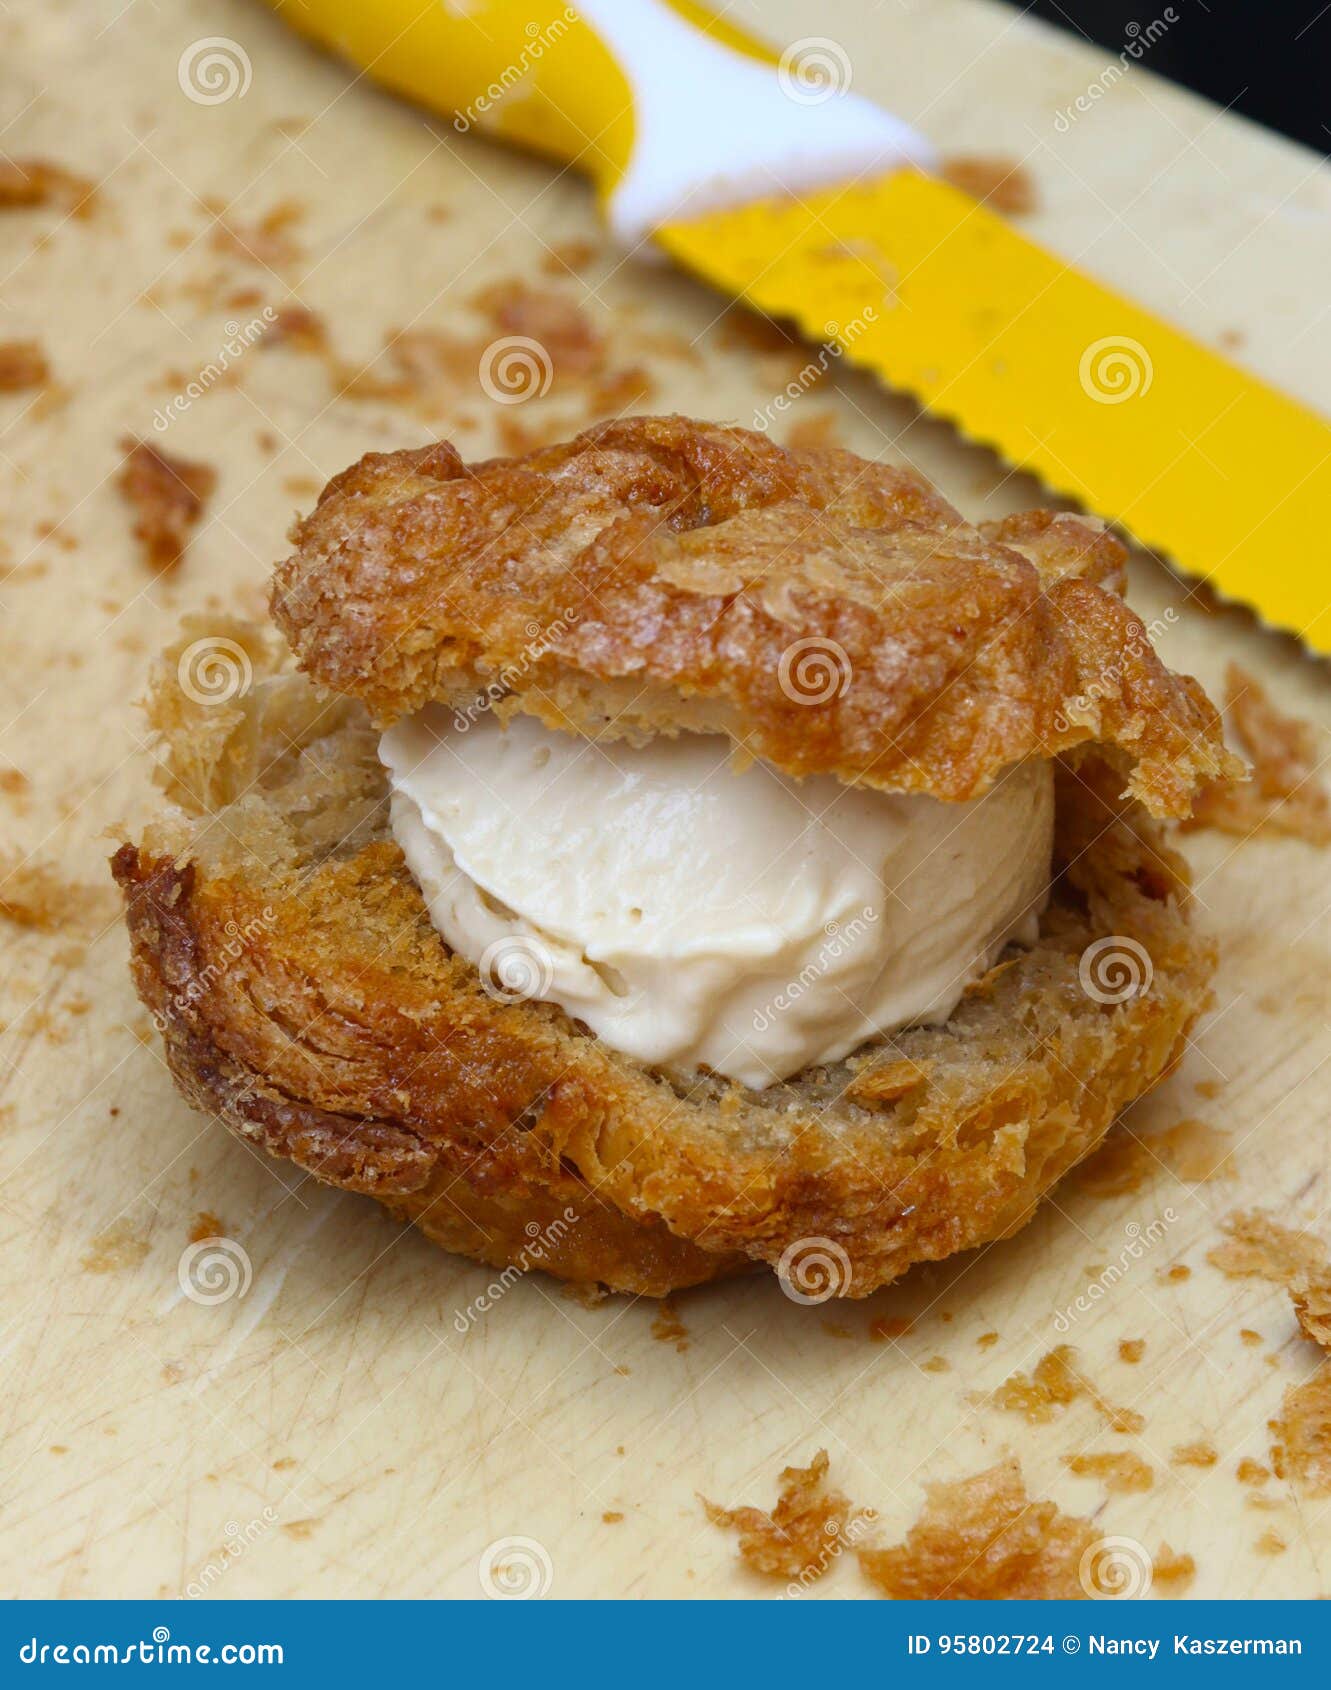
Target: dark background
1272	61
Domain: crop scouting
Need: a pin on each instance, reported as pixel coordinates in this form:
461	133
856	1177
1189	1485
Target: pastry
666	854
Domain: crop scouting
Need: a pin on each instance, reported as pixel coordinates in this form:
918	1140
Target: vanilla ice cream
690	915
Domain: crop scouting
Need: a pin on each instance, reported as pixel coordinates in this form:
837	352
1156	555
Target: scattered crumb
284	1463
172	1373
1262	1248
299	1528
22	365
1191	1149
1174	1275
612	1517
298	327
168	496
206	1225
889	1327
802	1534
26	182
1230	339
268	241
1248	1336
1208	1089
936	1364
1302	1448
14	783
1054	1383
1121	1471
36	895
59	1449
1131	1350
668	1328
1002	183
1270	1543
1252	1472
1171	1574
119	1246
567	257
1284	794
982	1538
559	324
987	1340
1198	1454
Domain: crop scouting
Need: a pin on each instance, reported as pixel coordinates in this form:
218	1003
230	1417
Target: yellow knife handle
668	108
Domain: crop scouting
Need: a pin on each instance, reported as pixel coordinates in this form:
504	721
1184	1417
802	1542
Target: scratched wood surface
332	1431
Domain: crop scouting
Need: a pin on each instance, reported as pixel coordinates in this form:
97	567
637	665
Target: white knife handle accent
714	128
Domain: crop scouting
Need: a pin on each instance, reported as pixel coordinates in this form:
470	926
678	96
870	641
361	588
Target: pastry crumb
982	1538
168	495
22	365
804	1532
1301	1451
1055	1382
206	1225
1131	1350
668	1328
1199	1454
1004	184
118	1247
36	895
1121	1472
1284	794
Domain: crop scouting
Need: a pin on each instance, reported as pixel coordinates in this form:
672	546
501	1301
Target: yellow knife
770	178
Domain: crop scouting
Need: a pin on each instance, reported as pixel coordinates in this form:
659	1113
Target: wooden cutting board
332	1431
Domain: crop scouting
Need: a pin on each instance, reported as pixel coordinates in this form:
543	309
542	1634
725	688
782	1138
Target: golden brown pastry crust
307	1001
657	574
